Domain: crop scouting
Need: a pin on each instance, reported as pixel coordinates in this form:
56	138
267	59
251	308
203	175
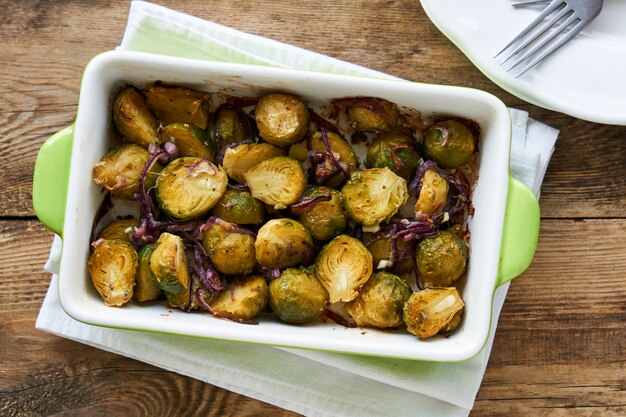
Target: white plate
586	78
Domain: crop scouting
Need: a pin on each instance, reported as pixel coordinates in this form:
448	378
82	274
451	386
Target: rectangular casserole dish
504	228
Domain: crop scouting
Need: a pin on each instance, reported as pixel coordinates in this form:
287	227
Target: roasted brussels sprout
146	286
229	124
278	181
119	229
441	260
168	263
282	119
343	266
380	301
239	207
341	150
374	195
190	140
178	104
119	170
395	150
297	296
371	114
231	252
430	311
189	299
243	298
449	143
281	243
325	219
239	159
189	187
112	266
381	253
133	119
433	195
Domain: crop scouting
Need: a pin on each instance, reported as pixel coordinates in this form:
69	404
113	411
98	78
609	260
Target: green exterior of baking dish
519	235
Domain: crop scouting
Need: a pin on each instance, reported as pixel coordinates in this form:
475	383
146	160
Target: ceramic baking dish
504	228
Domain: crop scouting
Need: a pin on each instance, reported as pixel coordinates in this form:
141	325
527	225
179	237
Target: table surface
559	347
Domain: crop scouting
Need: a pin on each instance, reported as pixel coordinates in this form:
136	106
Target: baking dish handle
51	177
520	232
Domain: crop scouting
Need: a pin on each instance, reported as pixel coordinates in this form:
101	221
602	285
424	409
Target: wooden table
560	344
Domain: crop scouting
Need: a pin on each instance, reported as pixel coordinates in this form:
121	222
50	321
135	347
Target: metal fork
577	14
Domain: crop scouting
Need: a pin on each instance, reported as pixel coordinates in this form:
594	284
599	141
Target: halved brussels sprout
119	229
120	169
189	187
231	252
239	159
342	151
297	296
325	219
381	253
178	104
146	287
430	311
243	298
112	266
278	181
190	140
380	301
281	243
433	195
133	119
441	260
449	143
374	195
282	119
371	114
168	263
229	124
395	150
239	207
343	266
188	299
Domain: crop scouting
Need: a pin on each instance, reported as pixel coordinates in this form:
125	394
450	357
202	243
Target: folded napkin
308	382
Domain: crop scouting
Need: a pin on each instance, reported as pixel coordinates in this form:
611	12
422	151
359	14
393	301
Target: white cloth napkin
308	382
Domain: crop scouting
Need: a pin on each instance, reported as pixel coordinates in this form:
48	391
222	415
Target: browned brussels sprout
119	229
441	260
395	150
239	207
112	266
229	124
374	195
189	187
282	119
146	287
278	181
430	311
381	250
189	299
178	104
324	218
281	243
119	170
297	296
371	114
343	266
242	299
449	143
168	263
133	119
380	301
433	195
190	140
231	252
239	159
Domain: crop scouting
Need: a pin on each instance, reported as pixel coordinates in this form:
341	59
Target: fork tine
540	31
549	9
573	32
545	40
530	3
